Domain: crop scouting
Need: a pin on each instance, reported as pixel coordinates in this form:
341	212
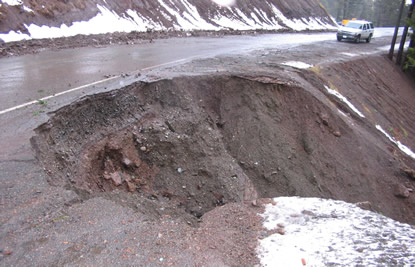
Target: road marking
55	95
88	85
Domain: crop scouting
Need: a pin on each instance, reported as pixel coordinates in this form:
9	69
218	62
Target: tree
410	57
347	9
386	13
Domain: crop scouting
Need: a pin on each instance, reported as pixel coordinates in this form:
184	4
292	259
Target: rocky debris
401	191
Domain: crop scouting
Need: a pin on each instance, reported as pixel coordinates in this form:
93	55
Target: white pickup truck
356	30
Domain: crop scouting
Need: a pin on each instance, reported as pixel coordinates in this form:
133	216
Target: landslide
195	143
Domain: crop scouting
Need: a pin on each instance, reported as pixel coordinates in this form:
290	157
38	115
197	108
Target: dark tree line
383	13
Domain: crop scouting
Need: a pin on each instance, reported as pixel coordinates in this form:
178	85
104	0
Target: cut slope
52	19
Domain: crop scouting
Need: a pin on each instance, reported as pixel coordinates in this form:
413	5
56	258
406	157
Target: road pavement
26	79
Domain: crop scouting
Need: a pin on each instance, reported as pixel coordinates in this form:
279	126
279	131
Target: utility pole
395	34
399	60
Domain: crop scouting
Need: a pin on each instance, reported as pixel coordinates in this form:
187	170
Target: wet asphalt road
32	77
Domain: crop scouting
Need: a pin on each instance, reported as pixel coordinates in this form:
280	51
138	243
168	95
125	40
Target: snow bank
187	18
320	232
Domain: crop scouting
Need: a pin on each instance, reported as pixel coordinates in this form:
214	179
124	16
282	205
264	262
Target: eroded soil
195	143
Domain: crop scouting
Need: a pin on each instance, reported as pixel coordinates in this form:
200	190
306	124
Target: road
25	79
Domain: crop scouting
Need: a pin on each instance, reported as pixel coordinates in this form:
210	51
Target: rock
409	172
116	178
131	186
337	134
143	148
325	119
167	194
366	205
127	162
106	176
309	213
281	231
401	191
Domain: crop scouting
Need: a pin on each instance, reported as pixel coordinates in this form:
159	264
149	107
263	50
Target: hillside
27	19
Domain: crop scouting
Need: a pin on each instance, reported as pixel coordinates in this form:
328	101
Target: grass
38	112
61	218
42	102
405	133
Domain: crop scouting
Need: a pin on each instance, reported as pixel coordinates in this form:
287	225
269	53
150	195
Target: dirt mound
199	142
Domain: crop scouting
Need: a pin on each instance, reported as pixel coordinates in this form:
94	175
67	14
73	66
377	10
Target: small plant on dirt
42	102
405	132
38	112
60	218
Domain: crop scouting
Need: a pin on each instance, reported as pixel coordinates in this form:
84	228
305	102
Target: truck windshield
353	25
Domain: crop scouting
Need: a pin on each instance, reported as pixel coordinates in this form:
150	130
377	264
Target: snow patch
343	99
349	54
321	232
297	64
27	9
225	3
14	36
12	2
402	147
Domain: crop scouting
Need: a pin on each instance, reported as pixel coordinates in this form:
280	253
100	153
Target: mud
195	143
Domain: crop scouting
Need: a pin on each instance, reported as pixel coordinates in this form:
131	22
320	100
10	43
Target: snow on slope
320	232
182	14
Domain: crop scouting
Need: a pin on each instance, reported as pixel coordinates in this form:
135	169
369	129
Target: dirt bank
200	142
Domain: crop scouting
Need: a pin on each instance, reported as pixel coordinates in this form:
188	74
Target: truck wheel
357	40
339	38
369	38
